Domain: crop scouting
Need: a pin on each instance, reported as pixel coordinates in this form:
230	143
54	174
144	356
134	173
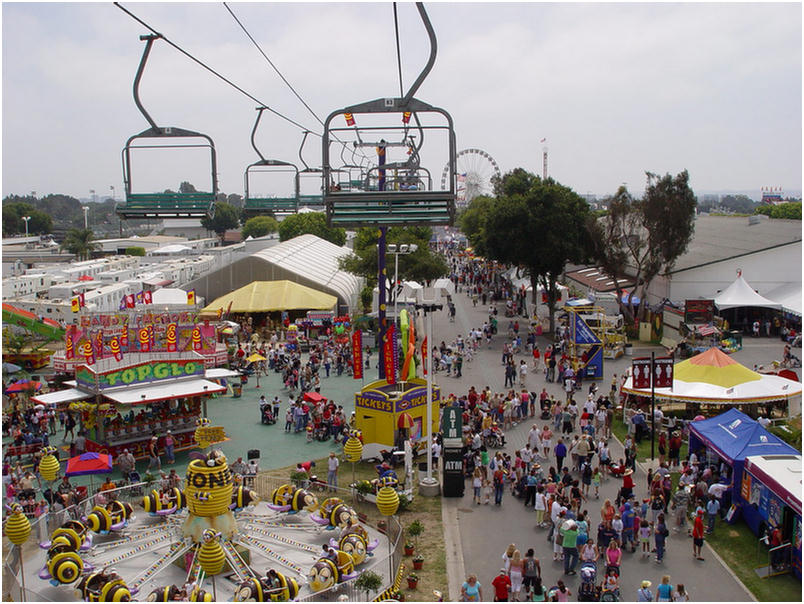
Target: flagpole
652	404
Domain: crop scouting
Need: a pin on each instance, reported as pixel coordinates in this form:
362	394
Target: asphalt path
484	531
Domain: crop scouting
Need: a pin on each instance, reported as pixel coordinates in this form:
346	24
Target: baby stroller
610	595
587	590
267	415
134	479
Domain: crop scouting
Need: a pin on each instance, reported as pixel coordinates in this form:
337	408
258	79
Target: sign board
640	368
698	312
138	374
452	423
210	435
453	472
663	372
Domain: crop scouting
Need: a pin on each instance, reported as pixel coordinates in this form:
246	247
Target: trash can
237	390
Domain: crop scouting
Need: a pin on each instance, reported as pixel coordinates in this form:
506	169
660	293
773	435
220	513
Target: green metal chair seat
157	205
408	207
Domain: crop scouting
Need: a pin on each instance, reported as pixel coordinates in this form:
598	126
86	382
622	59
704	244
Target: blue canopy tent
733	436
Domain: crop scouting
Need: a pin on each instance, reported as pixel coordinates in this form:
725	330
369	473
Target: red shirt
501	584
698	527
628	482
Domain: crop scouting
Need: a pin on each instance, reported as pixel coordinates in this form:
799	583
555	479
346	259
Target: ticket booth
388	414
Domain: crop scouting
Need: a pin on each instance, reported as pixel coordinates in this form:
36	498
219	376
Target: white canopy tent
740	294
789	296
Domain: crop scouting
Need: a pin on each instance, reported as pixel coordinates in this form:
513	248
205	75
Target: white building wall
763	271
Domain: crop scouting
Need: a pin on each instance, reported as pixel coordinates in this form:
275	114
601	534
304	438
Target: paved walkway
486	530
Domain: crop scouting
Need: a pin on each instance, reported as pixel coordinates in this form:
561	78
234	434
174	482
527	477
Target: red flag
350	119
388	354
424	355
406	117
130	301
357	354
81	302
147	297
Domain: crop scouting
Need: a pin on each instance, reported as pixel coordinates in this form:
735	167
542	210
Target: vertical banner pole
652	404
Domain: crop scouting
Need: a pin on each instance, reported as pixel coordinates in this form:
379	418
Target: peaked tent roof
735	436
714	366
739	293
265	296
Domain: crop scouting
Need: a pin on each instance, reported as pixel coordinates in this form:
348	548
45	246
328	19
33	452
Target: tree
135	251
314	223
422	265
80	242
368	581
643	238
790	210
472	222
40	223
226	217
538	225
259	226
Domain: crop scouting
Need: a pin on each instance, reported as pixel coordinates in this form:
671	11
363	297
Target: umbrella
11	368
227	330
24	385
405	420
254	358
89	463
85	278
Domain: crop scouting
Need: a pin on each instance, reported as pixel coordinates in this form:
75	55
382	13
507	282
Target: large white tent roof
789	296
739	293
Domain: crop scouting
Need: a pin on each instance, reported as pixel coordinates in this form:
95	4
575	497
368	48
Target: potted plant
418	562
298	478
368	581
364	489
415	529
408	548
413	580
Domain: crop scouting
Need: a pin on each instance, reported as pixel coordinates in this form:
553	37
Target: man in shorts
698	535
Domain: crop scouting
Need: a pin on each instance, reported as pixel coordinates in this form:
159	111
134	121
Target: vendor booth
388	414
712	380
770	493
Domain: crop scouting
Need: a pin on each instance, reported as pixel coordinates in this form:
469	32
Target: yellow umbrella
254	358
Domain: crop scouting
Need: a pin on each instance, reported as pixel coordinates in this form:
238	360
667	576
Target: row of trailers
382	181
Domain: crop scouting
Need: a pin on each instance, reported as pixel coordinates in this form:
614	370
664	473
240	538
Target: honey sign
209	435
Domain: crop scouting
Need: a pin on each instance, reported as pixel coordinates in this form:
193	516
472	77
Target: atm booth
771	490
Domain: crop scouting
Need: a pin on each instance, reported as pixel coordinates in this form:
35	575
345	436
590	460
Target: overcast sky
616	89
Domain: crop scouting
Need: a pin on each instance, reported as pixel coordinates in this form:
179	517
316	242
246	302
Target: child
486	491
477	484
289	420
644	536
611	582
309	433
596	482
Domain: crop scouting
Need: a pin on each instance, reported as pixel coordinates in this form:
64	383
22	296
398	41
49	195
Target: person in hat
501	583
644	594
628	484
569	534
698	534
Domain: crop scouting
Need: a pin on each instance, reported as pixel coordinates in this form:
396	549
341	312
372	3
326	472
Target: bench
427	208
254	206
167	205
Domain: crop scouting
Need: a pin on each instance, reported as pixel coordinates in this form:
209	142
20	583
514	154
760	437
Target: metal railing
386	562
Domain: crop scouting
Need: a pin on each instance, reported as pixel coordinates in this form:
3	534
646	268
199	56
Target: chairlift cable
279	73
210	69
398	53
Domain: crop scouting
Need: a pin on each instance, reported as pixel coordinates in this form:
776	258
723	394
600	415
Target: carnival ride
213	526
476	171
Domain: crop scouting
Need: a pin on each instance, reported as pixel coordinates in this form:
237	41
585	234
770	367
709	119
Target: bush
135	251
259	226
368	581
791	435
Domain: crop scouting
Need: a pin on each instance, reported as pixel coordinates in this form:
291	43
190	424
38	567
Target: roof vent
755	219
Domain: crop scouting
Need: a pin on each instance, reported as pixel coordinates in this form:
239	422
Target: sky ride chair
397	192
256	206
316	200
192	204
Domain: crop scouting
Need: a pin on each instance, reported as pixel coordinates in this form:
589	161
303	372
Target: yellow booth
388	414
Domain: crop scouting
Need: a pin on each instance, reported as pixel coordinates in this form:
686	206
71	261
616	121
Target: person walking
471	590
477	484
698	535
499	484
516	572
332	471
531	572
660	534
501	584
680	594
644	594
664	592
560	453
569	534
153	454
170	443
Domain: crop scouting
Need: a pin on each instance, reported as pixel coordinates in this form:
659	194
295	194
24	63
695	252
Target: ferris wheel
475	169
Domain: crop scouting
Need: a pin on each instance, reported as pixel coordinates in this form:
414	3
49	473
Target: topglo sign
137	374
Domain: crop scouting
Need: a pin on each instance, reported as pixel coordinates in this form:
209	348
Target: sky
615	89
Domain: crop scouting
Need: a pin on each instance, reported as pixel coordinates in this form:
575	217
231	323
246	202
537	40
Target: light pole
403	250
92	192
86	222
428	299
26	219
112	188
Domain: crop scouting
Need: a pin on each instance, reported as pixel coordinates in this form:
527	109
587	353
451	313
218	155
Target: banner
350	119
424	355
191	297
130	301
640	368
114	347
99	344
663	372
144	339
196	338
171	337
388	355
397	372
69	351
584	333
75	305
147	297
357	354
88	354
697	312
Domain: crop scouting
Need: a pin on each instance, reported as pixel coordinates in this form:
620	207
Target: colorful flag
89	356
114	346
69	351
138	297
122	303
147	297
191	297
81	301
229	308
171	337
406	117
130	301
357	354
424	355
197	342
99	344
75	304
350	119
144	339
124	338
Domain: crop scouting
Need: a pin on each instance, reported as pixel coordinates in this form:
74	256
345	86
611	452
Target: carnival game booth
770	493
124	403
710	381
732	437
387	414
140	329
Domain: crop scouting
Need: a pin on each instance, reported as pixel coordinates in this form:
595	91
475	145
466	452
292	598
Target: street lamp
112	188
86	223
26	219
403	250
92	192
428	300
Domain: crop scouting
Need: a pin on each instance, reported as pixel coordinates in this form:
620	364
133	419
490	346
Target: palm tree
79	242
